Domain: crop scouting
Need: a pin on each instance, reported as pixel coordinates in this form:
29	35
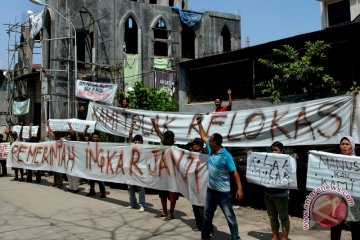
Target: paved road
40	211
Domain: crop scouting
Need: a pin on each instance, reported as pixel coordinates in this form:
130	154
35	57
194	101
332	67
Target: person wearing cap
167	139
221	165
197	145
218	101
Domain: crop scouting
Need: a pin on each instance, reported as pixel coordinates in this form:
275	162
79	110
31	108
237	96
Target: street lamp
38	2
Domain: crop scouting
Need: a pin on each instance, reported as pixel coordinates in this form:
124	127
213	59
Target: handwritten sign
4	150
271	170
333	169
25	131
103	92
157	167
306	123
61	125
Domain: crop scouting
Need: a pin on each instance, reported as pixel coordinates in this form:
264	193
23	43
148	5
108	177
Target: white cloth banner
157	167
4	150
61	125
102	92
21	108
271	170
26	129
333	169
315	122
36	24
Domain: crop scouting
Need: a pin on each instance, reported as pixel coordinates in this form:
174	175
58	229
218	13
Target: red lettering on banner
120	164
163	164
160	163
71	157
324	113
302	121
275	125
22	149
108	162
254	133
156	153
15	153
91	156
62	161
45	155
197	170
135	157
55	152
176	163
191	160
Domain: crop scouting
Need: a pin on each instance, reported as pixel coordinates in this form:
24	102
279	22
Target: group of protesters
221	168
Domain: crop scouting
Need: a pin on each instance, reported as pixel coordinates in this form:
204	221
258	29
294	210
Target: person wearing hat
167	139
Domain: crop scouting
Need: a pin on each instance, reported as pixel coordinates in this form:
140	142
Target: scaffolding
19	64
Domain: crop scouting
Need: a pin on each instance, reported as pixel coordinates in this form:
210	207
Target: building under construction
117	41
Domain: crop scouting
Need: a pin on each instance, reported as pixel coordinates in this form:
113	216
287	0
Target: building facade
335	12
123	41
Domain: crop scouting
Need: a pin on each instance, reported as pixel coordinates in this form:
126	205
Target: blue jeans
132	197
223	199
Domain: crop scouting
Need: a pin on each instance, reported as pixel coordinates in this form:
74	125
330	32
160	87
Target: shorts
172	196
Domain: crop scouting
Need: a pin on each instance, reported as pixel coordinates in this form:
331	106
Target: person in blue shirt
220	165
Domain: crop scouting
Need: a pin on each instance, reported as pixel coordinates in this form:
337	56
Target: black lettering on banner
249	120
327	110
275	125
302	121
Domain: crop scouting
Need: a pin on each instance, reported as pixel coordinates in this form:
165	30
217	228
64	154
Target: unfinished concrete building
124	41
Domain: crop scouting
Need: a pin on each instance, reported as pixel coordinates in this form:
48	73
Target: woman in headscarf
347	147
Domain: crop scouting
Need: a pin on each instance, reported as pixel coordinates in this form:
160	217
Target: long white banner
103	92
316	122
333	169
271	170
157	167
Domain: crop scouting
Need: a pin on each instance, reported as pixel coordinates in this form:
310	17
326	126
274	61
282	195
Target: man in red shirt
219	108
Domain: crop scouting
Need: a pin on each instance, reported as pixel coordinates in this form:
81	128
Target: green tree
297	73
146	98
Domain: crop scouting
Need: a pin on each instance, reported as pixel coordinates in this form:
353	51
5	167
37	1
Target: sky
261	20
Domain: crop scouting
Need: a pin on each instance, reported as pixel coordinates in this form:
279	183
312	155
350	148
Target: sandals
160	215
168	218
